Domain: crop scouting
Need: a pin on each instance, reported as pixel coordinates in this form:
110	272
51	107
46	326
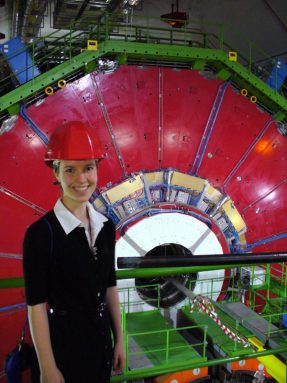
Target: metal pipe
167	271
11	256
247	152
266	240
8	309
32	124
157	271
201	260
208	128
82	9
6	283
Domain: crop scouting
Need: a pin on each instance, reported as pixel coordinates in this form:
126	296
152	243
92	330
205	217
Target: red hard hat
73	141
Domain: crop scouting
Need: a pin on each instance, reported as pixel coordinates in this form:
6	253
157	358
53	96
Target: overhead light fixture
175	19
133	3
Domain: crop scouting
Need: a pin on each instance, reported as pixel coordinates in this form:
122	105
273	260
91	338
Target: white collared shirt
69	221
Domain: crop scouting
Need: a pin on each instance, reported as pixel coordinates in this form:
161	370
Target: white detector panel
177	228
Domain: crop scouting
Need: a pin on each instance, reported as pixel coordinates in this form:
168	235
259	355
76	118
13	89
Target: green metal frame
163	344
274	276
176	367
137	273
140	273
146	43
11	101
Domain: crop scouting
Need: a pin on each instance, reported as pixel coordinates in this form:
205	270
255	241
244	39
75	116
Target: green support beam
141	273
226	69
8	283
122	50
224	74
199	64
278	287
83	61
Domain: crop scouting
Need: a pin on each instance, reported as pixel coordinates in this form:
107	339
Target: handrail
112	24
176	367
118	38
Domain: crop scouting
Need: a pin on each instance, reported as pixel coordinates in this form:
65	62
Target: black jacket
63	271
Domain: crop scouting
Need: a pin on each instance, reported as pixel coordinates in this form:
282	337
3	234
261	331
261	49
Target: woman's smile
81	188
78	180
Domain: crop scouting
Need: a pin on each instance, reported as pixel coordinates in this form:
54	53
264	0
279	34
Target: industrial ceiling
262	21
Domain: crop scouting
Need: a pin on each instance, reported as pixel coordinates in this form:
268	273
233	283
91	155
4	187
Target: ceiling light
175	19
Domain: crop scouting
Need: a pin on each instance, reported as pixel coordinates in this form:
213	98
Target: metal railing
63	45
164	342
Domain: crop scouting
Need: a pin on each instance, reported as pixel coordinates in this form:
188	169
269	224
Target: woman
68	258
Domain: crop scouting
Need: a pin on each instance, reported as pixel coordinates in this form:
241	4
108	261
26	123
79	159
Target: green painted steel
39	83
131	273
170	368
158	341
146	42
214	332
166	271
227	69
278	287
7	283
141	273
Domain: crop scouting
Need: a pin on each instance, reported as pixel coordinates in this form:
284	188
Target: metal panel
233	215
130	96
124	189
267	218
187	99
187	181
277	75
252	173
20	60
259	326
237	124
131	99
21	156
259	187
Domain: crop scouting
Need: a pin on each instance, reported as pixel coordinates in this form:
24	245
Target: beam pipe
201	260
155	271
167	271
6	283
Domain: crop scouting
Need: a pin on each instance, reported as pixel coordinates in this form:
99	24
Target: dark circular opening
166	294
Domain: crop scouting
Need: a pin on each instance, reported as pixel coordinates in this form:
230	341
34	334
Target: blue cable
12	307
32	124
266	240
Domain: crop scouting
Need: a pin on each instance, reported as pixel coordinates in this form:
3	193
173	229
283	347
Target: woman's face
78	180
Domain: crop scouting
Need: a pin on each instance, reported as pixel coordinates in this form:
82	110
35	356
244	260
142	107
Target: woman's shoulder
38	236
43	224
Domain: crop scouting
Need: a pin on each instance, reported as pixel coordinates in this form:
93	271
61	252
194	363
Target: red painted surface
132	104
237	124
187	100
128	98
